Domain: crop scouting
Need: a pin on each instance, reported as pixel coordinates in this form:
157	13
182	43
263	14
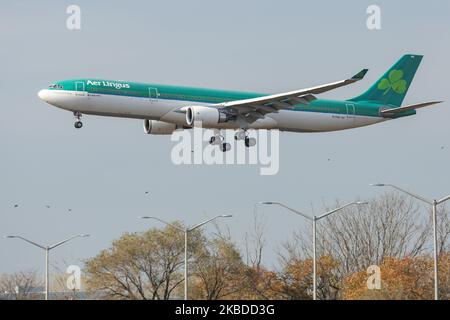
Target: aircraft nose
42	94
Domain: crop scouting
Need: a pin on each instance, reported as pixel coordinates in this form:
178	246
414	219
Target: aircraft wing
256	108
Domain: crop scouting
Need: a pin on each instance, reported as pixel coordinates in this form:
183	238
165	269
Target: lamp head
362	203
267	202
226	216
85	235
377	184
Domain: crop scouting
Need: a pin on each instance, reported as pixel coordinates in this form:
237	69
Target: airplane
165	108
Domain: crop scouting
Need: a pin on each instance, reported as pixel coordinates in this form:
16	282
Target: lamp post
433	204
47	252
314	220
186	232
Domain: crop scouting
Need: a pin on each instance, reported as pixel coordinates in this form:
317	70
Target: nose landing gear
78	124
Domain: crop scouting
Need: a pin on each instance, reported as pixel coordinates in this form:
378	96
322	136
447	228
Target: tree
392	225
296	279
443	229
255	242
19	285
260	283
401	278
218	270
144	265
444	276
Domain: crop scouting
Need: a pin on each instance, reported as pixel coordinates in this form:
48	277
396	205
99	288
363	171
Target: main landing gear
78	124
243	135
219	139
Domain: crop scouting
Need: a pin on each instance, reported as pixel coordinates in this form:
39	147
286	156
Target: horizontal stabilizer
393	111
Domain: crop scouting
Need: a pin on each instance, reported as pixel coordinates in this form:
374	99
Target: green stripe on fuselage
147	90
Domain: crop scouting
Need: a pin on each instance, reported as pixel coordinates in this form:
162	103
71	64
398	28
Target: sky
102	171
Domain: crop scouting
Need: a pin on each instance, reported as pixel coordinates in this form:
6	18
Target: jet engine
207	116
159	127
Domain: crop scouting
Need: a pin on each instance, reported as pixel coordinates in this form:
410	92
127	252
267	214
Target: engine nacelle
207	116
159	127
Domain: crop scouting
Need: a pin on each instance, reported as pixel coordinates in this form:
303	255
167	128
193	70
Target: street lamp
47	251
314	220
186	232
433	204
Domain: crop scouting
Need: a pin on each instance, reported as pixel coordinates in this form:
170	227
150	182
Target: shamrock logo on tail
394	81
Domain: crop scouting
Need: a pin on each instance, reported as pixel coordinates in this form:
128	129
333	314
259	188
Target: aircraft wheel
215	139
240	135
212	140
225	147
78	124
250	142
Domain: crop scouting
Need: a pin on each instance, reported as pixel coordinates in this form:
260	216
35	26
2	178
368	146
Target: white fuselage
172	111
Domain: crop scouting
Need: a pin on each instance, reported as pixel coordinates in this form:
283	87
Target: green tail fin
392	87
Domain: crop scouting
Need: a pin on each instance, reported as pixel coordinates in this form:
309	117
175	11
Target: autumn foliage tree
391	226
401	278
218	270
146	265
296	279
392	232
260	283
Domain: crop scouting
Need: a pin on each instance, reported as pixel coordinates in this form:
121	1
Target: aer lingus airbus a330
167	108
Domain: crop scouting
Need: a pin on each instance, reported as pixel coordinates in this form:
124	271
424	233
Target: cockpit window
55	86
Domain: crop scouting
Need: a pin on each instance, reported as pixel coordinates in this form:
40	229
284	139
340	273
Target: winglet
360	75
